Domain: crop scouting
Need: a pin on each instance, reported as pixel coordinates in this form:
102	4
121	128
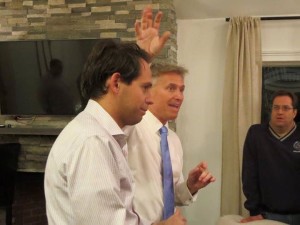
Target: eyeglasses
284	108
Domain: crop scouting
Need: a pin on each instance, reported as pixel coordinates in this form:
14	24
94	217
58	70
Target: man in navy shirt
271	164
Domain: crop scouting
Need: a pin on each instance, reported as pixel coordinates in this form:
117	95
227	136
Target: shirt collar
153	123
106	121
285	136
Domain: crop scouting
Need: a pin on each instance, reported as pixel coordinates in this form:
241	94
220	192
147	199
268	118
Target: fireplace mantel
30	131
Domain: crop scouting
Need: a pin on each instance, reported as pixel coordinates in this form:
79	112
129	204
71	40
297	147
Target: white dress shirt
144	157
87	178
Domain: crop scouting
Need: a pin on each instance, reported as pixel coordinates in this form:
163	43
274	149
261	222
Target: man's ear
114	82
295	113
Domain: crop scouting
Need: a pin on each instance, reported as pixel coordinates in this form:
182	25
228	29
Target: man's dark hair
110	56
286	93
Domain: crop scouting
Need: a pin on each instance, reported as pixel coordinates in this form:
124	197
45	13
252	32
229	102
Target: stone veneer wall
72	19
76	19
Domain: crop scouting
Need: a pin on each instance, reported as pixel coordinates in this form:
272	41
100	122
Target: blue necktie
167	175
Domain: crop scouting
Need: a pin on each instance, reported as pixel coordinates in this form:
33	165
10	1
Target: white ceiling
203	9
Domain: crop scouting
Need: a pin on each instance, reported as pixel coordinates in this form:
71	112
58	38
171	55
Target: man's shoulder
84	125
147	124
78	132
258	129
258	126
172	132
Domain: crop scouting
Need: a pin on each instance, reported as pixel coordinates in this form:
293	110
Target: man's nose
179	95
149	100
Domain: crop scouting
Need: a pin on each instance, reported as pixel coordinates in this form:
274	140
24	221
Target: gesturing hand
147	32
199	177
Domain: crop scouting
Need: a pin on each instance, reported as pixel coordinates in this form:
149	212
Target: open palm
147	32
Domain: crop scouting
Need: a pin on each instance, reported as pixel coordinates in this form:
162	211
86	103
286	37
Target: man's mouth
177	106
144	110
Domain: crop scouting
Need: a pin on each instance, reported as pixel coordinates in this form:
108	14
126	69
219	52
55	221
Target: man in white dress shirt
87	178
144	147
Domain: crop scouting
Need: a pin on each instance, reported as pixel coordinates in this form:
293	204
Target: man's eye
171	88
146	87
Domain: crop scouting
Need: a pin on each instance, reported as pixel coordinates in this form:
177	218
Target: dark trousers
292	219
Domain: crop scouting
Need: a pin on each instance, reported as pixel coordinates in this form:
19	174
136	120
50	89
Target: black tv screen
41	77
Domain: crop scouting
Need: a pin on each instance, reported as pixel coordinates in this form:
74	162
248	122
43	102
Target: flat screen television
41	77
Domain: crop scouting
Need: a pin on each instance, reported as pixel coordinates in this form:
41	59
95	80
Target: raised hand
147	32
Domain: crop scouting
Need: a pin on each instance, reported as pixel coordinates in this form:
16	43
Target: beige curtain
241	105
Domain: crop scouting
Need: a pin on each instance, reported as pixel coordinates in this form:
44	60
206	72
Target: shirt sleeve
183	194
96	193
250	175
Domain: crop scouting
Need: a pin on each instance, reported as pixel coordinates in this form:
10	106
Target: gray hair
162	68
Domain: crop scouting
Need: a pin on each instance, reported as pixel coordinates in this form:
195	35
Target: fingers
165	37
203	165
179	216
146	20
149	19
201	173
157	20
199	169
194	171
147	32
199	177
144	23
206	177
178	213
137	27
252	218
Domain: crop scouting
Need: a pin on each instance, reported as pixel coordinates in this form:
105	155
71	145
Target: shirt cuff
184	195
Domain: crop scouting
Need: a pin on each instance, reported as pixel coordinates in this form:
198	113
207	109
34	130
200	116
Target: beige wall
280	40
201	48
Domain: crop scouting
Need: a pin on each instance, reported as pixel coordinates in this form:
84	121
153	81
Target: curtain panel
241	105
